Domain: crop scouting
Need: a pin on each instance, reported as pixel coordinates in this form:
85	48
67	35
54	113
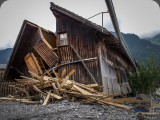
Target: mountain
155	40
4	55
141	49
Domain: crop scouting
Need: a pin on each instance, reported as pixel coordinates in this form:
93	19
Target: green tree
147	77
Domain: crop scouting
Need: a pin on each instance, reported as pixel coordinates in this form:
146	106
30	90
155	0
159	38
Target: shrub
146	79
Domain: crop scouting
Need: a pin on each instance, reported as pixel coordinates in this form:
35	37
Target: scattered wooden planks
11	98
60	87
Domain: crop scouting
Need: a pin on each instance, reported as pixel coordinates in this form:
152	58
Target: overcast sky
141	17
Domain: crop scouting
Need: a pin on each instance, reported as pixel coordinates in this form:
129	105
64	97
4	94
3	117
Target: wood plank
113	104
85	95
56	96
64	81
46	78
64	64
35	75
32	63
47	98
28	78
63	73
81	90
67	77
84	87
23	81
58	85
37	89
94	86
126	100
56	75
44	86
36	63
71	73
20	100
55	88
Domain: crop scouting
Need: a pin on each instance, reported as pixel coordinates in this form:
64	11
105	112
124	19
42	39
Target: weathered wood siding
113	71
111	65
84	40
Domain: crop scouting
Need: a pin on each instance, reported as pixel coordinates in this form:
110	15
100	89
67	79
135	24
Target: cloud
135	16
138	16
150	34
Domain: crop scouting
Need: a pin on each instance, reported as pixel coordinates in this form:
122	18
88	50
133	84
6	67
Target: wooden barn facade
95	54
79	39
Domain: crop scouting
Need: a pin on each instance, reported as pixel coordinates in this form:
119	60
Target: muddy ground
63	110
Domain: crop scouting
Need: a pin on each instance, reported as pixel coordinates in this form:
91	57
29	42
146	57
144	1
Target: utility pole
113	17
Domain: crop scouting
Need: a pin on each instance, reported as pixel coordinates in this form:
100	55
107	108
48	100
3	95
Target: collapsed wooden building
95	54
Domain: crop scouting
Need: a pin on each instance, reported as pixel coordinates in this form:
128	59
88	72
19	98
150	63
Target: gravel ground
63	110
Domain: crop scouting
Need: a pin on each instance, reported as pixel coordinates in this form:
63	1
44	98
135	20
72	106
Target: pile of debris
44	89
46	72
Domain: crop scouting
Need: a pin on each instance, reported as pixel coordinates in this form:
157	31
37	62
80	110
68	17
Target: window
63	39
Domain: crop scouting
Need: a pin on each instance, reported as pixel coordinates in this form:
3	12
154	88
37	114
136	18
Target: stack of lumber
31	90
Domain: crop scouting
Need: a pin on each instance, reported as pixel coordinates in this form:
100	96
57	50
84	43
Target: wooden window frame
59	43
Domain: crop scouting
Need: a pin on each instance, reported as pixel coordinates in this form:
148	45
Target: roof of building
23	44
78	18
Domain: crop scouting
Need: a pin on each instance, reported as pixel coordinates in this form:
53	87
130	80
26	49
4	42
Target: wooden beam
82	90
113	104
56	96
79	57
23	81
84	60
28	78
67	77
63	73
36	63
19	100
35	75
47	98
55	88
